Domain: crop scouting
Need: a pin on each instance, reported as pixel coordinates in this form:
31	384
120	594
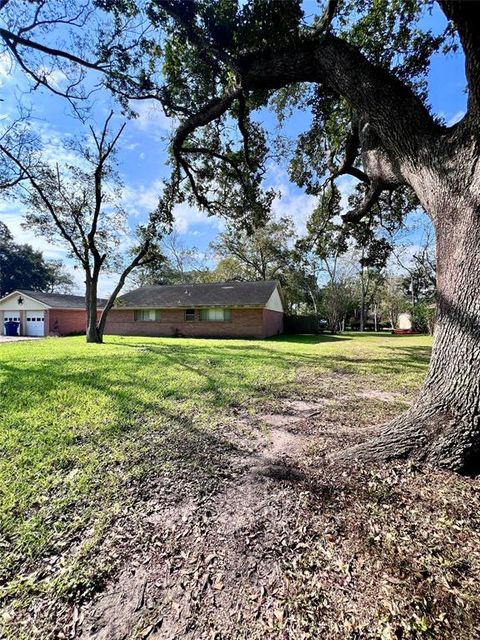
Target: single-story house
43	314
221	309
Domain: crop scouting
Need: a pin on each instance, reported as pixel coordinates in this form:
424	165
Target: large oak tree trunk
443	426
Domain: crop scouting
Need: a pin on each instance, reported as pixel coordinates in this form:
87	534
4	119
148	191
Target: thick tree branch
326	20
208	113
397	115
352	150
464	15
371	198
242	115
401	122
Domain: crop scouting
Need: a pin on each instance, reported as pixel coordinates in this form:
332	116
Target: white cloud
295	206
54	77
8	73
140	200
455	118
6	66
153	121
185	216
12	216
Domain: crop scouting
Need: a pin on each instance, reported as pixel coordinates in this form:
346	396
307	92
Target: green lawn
81	424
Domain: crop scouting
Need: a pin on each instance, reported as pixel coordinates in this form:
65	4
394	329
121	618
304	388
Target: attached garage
42	314
30	314
35	323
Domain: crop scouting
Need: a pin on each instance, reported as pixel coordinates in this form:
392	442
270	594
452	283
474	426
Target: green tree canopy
22	267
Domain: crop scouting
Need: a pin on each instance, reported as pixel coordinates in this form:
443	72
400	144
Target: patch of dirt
375	394
185	590
303	406
280	419
282	545
285	444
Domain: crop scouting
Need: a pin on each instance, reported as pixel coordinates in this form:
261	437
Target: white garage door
10	316
34	323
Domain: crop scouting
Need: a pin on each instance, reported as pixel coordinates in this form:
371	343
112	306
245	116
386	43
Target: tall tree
267	253
22	267
61	280
176	264
79	205
327	242
263	254
361	69
391	299
420	280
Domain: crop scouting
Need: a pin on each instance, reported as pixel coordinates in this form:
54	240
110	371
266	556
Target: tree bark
93	334
443	425
362	306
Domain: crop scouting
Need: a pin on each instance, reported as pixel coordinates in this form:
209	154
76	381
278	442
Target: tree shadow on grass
309	338
153	372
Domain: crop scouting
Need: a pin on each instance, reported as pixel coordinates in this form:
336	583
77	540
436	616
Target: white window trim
223	309
155	313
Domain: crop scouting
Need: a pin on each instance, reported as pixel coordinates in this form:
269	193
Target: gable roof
243	294
58	300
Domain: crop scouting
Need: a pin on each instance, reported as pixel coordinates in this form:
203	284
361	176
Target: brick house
43	314
221	309
229	309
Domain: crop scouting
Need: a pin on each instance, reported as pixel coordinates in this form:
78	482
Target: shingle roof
200	295
59	300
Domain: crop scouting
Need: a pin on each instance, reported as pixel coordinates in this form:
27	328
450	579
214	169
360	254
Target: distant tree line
22	267
342	284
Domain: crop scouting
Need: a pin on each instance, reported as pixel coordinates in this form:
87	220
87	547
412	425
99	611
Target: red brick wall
272	322
245	323
66	321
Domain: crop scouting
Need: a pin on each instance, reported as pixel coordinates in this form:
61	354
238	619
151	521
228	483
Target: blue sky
143	153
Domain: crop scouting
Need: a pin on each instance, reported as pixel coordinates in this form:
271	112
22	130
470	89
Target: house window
189	315
216	315
147	315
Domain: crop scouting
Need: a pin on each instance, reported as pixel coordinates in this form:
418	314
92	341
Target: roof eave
18	292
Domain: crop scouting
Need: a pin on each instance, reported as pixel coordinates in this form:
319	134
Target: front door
34	323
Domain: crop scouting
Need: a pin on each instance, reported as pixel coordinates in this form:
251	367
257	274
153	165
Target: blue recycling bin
11	328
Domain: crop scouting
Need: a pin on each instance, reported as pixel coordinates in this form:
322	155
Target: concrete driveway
15	338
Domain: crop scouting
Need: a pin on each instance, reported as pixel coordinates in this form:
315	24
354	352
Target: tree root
424	434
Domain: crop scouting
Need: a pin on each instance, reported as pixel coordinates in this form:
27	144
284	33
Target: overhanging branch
464	15
371	198
352	148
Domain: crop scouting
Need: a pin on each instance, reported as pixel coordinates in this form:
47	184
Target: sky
143	155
